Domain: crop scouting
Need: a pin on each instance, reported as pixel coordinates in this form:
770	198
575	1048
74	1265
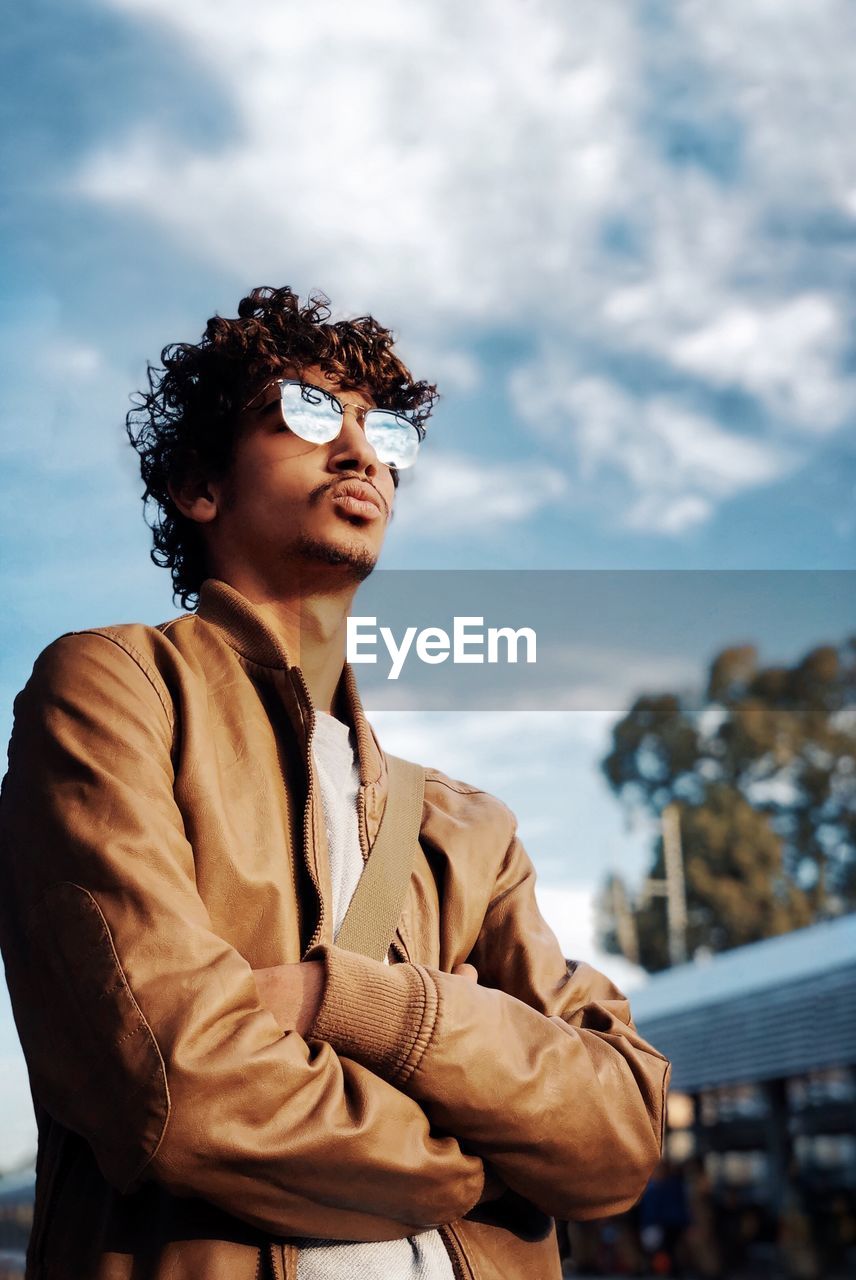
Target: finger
468	971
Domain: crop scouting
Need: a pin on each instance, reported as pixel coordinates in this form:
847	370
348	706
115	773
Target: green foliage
762	768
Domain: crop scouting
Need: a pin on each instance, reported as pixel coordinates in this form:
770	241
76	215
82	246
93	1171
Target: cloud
70	382
16	1107
606	678
570	914
550	750
787	355
674	463
666	199
410	160
544	765
460	494
474	746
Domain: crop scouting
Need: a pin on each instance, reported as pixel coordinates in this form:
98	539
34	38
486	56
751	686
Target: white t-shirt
419	1257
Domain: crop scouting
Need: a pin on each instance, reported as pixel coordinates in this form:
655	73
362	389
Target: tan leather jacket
161	838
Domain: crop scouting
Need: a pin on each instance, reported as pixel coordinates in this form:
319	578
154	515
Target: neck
310	623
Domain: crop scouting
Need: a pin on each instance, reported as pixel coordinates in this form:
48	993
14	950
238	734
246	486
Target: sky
620	238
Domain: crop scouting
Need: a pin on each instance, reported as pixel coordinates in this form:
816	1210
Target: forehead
318	377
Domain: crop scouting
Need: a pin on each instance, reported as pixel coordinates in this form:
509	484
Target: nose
351	451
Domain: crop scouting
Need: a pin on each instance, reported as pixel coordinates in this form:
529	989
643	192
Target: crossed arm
339	1097
292	992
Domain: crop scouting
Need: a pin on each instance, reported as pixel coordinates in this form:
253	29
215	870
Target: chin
353	553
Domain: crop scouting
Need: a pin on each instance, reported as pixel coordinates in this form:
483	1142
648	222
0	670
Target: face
287	504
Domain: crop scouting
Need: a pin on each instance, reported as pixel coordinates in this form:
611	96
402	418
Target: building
763	1045
16	1216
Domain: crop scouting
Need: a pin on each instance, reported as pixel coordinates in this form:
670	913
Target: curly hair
186	423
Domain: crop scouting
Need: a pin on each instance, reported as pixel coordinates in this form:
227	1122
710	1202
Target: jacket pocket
92	1057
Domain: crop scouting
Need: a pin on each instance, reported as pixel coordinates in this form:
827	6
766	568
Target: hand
292	993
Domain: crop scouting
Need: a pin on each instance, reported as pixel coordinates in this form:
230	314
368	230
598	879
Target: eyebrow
336	395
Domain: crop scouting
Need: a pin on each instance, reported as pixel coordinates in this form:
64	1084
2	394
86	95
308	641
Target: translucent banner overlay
598	637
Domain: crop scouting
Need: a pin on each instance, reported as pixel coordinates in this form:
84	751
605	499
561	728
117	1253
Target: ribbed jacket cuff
380	1015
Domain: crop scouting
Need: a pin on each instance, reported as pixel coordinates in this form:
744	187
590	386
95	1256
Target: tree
762	770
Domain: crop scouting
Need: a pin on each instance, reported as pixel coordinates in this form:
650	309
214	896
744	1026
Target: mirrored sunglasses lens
310	414
394	439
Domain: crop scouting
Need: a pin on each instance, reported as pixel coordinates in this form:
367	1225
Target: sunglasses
316	415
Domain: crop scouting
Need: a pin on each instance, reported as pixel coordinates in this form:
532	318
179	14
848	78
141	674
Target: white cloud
604	679
570	914
672	515
610	185
675	463
76	360
18	1135
453	370
788	354
545	766
488	749
45	404
404	160
454	494
514	755
787	67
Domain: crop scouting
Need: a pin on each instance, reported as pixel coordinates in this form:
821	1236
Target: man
221	1090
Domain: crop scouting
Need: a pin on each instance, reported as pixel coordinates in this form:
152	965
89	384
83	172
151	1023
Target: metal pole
676	897
625	923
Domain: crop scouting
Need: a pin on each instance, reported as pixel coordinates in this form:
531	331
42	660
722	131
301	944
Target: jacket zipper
398	950
455	1249
267	1253
308	834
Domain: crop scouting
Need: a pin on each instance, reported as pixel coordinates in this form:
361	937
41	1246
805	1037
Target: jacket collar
242	624
246	631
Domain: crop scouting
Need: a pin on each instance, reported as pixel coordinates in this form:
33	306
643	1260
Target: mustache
321	489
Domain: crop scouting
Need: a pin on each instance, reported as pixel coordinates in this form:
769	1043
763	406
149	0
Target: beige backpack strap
378	900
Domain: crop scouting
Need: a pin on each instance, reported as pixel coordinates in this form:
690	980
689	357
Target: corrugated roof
774	1009
793	957
17	1187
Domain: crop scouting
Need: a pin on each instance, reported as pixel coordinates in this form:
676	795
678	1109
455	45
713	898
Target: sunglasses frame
363	413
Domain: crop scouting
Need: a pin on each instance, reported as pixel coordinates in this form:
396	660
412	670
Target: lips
357	499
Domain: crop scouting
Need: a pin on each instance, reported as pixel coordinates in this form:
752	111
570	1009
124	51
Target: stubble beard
351	556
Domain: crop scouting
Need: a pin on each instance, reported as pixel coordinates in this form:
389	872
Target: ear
196	497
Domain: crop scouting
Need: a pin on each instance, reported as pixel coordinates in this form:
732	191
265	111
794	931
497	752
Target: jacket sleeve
538	1068
142	1028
